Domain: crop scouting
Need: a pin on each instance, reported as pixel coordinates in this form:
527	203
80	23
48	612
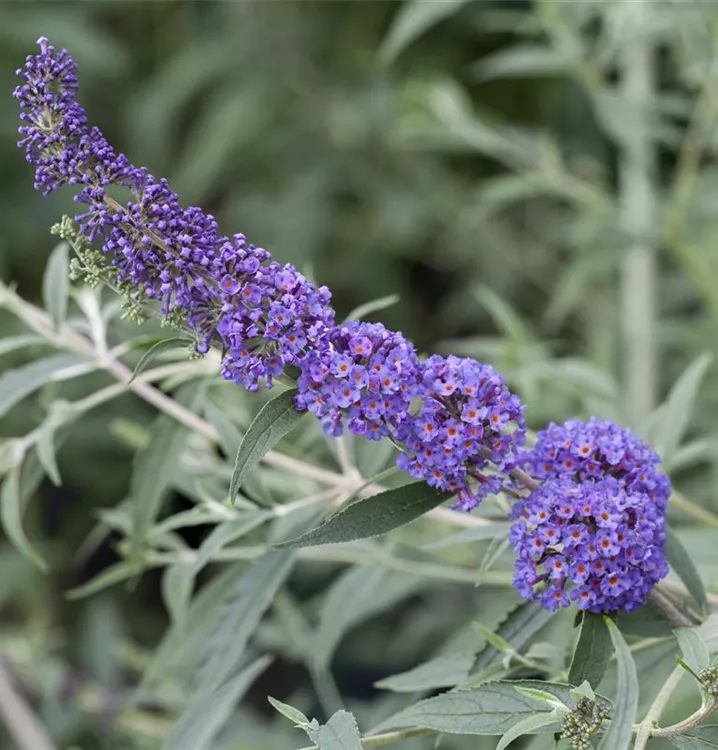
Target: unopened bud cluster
709	681
583	722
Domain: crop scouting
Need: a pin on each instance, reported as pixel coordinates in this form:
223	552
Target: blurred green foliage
466	156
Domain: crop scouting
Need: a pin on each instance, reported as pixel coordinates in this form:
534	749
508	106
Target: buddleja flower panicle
596	449
467	423
223	289
596	543
363	377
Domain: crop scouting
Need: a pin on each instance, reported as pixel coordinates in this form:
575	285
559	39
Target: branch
20	721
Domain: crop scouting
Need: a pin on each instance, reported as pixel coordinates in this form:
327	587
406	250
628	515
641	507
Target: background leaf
56	283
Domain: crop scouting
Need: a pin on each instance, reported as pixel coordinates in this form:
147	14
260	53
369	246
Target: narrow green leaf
207	714
56	283
441	672
478	533
230	437
491	708
682	564
248	600
122	571
358	594
375	305
700	738
413	19
11	510
373	515
178	579
276	418
339	733
528	725
678	407
16	384
520	61
154	351
293	714
694	649
13	343
46	451
155	466
592	653
494	639
497	547
620	730
521	625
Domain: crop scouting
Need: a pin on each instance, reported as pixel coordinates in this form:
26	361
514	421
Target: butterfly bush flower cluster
468	421
364	376
593	532
265	315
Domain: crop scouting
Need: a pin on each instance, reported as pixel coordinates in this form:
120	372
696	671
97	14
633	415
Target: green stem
638	268
693	721
657	707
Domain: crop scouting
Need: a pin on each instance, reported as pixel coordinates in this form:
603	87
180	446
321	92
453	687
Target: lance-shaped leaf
592	653
373	515
155	350
251	595
491	708
276	418
700	738
441	672
680	561
694	649
675	414
155	466
620	730
521	625
11	510
207	713
16	384
56	283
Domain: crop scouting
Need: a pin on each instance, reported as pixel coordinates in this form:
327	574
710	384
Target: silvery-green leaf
207	713
56	283
375	305
678	407
373	515
11	510
275	420
293	714
156	350
441	672
339	733
620	729
413	19
694	649
16	384
684	567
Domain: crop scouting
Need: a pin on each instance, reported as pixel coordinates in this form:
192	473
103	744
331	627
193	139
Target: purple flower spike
596	449
363	376
598	543
468	420
266	316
